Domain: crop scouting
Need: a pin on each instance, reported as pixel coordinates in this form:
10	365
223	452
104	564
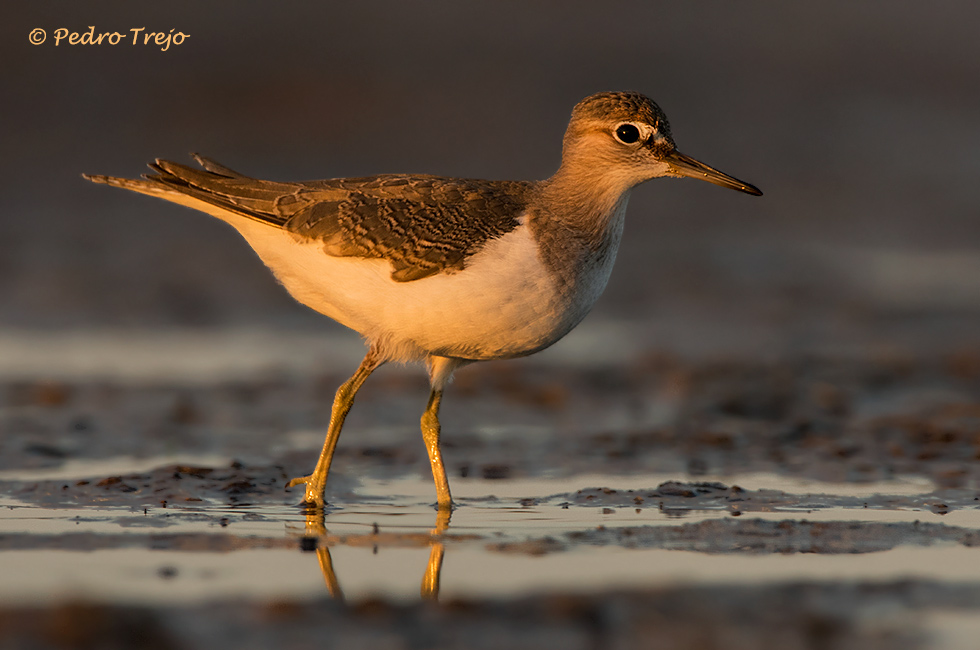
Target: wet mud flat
784	616
808	503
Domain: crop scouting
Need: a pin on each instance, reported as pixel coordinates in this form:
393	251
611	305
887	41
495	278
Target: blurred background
859	121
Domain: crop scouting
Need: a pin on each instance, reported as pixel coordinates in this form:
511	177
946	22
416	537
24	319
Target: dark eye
627	133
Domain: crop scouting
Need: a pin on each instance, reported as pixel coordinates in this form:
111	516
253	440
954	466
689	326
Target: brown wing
422	224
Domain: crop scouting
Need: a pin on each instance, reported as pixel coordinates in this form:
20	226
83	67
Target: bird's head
626	136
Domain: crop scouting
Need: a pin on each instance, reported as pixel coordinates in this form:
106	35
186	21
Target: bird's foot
314	491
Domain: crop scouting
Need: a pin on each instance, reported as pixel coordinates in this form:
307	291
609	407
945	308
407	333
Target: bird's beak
681	165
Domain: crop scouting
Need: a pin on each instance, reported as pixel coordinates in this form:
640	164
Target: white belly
505	303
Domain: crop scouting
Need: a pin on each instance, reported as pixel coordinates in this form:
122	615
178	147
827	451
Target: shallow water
722	496
507	538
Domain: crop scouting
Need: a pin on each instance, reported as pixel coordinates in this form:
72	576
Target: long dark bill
682	165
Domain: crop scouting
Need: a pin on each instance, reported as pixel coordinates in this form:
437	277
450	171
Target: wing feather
422	224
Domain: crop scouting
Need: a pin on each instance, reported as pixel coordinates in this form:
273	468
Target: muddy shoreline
731	461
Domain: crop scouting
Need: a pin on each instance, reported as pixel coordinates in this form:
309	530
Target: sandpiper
448	271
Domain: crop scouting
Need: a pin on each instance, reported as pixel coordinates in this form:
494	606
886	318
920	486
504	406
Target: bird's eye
627	133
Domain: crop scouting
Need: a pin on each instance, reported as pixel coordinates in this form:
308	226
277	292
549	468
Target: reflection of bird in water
316	536
444	270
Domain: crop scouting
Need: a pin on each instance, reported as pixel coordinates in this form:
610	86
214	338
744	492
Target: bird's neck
577	200
577	224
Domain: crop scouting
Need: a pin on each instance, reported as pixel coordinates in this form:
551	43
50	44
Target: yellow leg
430	433
344	399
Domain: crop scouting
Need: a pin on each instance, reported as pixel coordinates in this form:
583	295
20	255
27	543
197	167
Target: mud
832	420
558	466
729	618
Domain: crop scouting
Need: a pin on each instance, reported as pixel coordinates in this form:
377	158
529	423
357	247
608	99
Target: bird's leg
430	434
440	372
317	481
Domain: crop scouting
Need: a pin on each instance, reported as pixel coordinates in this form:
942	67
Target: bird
445	271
